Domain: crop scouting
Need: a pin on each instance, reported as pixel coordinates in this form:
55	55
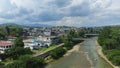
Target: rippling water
88	50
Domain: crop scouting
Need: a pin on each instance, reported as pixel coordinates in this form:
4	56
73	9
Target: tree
16	52
16	31
68	44
69	37
7	30
2	36
16	64
57	53
81	33
27	61
109	39
73	33
18	42
110	44
105	34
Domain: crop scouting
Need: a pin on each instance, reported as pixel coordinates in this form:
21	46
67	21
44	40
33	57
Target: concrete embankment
103	56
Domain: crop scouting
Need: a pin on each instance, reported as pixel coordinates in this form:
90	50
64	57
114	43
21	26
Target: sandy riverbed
103	56
74	49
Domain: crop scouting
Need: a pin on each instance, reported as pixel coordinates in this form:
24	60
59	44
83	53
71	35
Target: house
47	32
41	41
33	44
45	40
4	45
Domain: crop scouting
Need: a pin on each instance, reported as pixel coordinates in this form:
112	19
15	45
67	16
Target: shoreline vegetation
75	48
102	55
109	40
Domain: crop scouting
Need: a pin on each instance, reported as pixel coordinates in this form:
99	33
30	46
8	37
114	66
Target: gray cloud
82	12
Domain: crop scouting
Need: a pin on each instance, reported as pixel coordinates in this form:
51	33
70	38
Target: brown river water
86	57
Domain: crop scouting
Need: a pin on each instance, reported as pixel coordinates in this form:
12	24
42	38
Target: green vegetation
21	58
10	31
92	30
81	33
57	53
47	49
12	55
69	42
15	53
109	39
27	61
18	42
17	49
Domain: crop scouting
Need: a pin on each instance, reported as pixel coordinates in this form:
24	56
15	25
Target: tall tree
18	42
7	30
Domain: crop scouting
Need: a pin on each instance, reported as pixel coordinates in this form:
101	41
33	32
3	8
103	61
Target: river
86	57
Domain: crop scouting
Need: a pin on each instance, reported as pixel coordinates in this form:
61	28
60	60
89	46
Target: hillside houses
43	37
43	40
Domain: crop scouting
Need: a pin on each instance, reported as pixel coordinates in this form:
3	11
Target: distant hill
38	25
10	25
26	25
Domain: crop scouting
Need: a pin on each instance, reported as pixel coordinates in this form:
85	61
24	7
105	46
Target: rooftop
5	43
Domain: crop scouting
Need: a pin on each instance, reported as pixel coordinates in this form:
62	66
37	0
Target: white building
47	33
41	41
31	45
45	40
5	45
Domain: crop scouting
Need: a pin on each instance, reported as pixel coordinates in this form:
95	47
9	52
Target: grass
47	49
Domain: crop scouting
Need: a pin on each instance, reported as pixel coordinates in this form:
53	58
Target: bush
57	53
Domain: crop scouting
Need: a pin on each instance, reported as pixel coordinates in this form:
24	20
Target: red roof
5	43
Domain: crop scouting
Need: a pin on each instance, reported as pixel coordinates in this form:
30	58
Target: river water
86	57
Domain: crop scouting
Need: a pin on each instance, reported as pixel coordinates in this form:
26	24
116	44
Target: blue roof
33	41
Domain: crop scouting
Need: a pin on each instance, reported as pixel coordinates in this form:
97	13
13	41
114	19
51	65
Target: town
59	34
38	41
36	37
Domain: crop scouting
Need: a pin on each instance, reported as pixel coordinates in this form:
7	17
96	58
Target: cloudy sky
61	12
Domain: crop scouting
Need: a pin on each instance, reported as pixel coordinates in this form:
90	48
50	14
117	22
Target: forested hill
10	31
109	39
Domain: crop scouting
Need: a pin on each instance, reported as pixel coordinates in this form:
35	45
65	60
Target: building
41	41
5	45
32	44
45	40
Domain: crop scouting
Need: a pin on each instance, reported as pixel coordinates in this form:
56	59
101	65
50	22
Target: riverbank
74	58
103	56
74	49
69	52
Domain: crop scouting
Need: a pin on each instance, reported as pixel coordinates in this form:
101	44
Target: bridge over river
86	57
